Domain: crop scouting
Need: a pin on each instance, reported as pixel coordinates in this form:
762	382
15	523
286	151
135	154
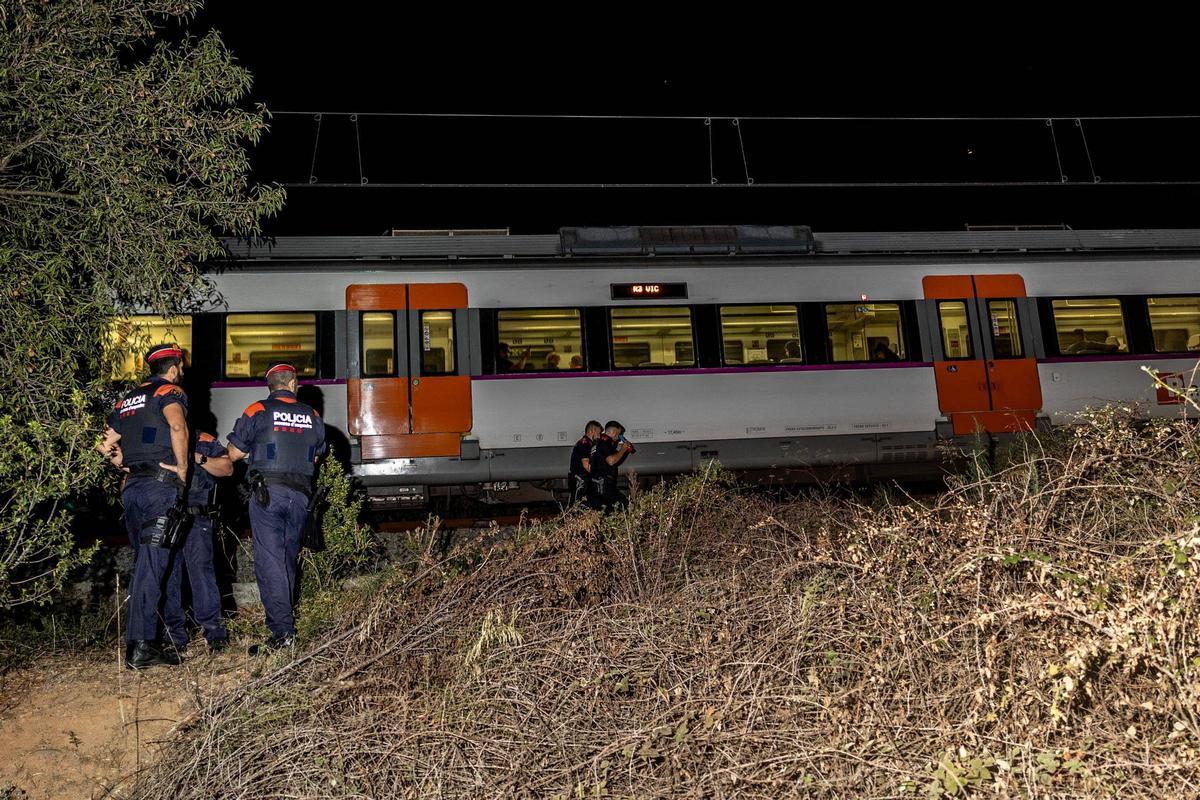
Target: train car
463	362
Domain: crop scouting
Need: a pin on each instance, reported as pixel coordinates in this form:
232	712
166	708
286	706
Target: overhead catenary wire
1087	150
755	185
749	181
742	117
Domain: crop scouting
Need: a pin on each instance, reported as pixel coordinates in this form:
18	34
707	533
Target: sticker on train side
1176	388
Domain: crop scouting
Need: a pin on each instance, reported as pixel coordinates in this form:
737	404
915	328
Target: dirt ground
81	727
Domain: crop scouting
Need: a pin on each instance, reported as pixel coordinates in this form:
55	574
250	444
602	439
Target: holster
167	531
258	489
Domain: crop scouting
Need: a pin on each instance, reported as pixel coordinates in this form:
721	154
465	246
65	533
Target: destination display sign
648	291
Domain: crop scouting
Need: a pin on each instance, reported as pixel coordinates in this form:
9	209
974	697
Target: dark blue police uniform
603	494
281	437
577	476
197	556
149	492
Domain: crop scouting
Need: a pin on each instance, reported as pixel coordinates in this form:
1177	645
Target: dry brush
1033	632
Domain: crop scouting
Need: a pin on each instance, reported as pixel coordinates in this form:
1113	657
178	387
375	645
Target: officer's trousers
196	555
603	495
146	499
577	486
276	532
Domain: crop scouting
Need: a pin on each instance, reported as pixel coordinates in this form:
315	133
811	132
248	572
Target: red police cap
163	351
279	366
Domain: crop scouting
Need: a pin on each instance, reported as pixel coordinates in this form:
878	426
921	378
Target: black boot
171	650
217	645
273	644
142	654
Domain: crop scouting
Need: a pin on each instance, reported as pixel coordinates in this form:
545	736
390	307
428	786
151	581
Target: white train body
442	408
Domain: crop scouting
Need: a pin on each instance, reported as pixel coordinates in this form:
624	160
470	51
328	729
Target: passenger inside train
505	364
543	337
760	335
864	332
1090	326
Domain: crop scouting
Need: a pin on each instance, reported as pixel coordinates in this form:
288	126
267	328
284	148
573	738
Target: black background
721	61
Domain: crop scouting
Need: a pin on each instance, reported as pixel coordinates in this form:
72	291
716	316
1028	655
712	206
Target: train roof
716	240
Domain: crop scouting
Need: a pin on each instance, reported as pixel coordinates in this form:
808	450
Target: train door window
378	344
760	335
539	340
253	341
864	332
956	329
1005	330
649	338
130	337
1089	326
437	343
1175	323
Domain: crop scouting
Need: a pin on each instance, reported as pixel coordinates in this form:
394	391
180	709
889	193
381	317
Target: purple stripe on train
251	383
713	371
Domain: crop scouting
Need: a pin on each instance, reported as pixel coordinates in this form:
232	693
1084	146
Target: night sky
689	63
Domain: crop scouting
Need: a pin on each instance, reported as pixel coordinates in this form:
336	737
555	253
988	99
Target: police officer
580	470
608	453
212	461
149	425
281	439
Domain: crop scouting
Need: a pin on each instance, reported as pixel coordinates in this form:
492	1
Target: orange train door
986	372
409	391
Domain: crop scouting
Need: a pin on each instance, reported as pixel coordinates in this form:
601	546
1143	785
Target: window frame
720	307
420	343
140	368
612	359
906	336
1053	341
966	304
1016	309
583	340
318	340
362	341
1144	303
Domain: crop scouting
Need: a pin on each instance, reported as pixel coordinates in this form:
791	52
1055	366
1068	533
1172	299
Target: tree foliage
122	160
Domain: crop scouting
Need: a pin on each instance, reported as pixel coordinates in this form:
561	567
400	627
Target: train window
956	329
646	338
1089	326
378	344
130	337
1175	323
252	341
1006	333
437	343
539	340
760	335
864	332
